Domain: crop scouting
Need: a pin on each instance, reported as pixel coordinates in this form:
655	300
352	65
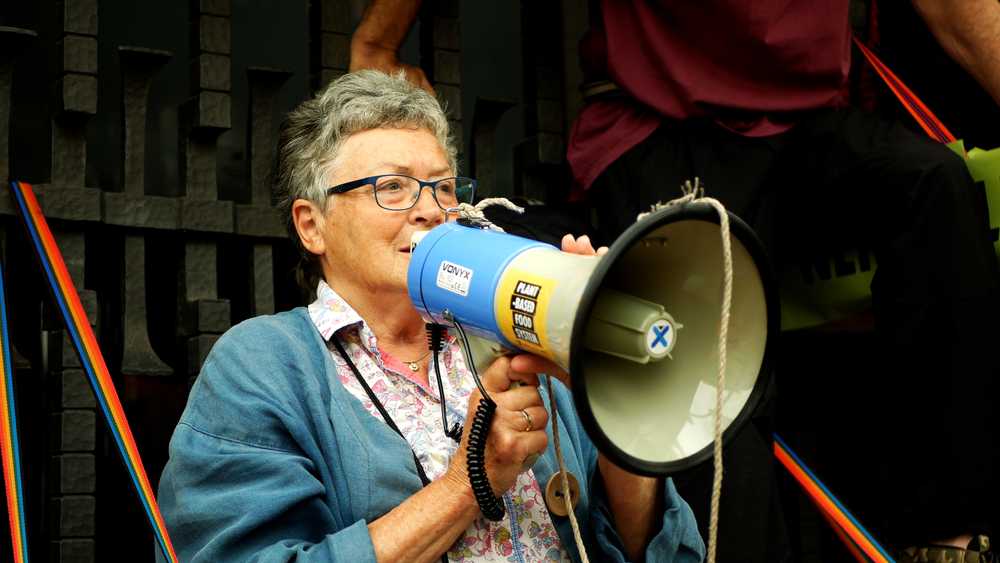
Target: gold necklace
415	364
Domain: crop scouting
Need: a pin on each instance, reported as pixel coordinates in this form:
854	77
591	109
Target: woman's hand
377	57
582	246
379	36
508	444
510	440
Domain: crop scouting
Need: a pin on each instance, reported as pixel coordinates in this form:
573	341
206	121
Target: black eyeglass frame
373	180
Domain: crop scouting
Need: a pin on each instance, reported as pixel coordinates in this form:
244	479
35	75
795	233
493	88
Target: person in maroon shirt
752	68
749	96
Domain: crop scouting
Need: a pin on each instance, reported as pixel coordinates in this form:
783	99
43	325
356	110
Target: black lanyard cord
385	416
381	409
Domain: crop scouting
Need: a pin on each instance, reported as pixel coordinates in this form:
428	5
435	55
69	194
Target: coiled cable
475	457
475	453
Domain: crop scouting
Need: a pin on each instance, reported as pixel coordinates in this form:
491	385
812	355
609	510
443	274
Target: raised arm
969	31
380	34
257	473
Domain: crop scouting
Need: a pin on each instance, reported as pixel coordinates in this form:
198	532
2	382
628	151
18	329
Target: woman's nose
426	209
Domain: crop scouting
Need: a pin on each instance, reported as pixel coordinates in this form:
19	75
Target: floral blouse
526	534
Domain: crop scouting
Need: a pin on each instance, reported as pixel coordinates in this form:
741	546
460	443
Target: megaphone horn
636	328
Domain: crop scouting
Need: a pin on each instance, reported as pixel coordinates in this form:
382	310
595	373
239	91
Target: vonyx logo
454	278
456	270
523	305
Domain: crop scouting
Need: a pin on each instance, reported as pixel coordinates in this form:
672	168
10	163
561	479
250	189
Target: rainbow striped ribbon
858	540
857	537
85	342
924	116
852	547
9	447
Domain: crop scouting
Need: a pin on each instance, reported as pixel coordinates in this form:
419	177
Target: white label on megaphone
454	278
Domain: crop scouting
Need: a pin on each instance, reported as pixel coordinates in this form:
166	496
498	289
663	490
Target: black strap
381	409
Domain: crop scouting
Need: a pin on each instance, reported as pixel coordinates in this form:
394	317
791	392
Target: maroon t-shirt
751	65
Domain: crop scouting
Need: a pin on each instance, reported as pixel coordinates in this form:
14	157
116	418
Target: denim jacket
273	460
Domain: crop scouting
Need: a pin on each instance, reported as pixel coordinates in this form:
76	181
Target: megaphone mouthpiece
628	327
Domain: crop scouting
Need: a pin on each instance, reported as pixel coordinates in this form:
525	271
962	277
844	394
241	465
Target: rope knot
696	190
690	192
475	213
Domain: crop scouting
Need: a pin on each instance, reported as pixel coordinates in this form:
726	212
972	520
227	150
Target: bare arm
380	34
425	525
636	502
969	31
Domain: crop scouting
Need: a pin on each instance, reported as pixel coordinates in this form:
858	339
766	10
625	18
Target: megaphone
637	328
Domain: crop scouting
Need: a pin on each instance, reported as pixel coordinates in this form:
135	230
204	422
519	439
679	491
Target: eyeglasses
396	192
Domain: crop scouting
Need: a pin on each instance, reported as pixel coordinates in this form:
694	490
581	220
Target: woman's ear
309	224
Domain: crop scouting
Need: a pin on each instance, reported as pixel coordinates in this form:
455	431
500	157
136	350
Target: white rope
696	192
475	212
692	192
562	475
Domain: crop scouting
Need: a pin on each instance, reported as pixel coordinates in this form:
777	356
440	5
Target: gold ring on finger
528	423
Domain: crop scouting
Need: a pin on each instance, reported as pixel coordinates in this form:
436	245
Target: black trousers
912	428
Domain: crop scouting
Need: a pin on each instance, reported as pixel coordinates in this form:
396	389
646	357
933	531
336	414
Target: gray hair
313	133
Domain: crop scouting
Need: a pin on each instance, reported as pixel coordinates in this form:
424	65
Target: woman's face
364	243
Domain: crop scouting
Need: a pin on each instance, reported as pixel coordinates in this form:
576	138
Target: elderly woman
316	434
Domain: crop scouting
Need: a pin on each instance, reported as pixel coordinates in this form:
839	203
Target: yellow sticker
521	305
